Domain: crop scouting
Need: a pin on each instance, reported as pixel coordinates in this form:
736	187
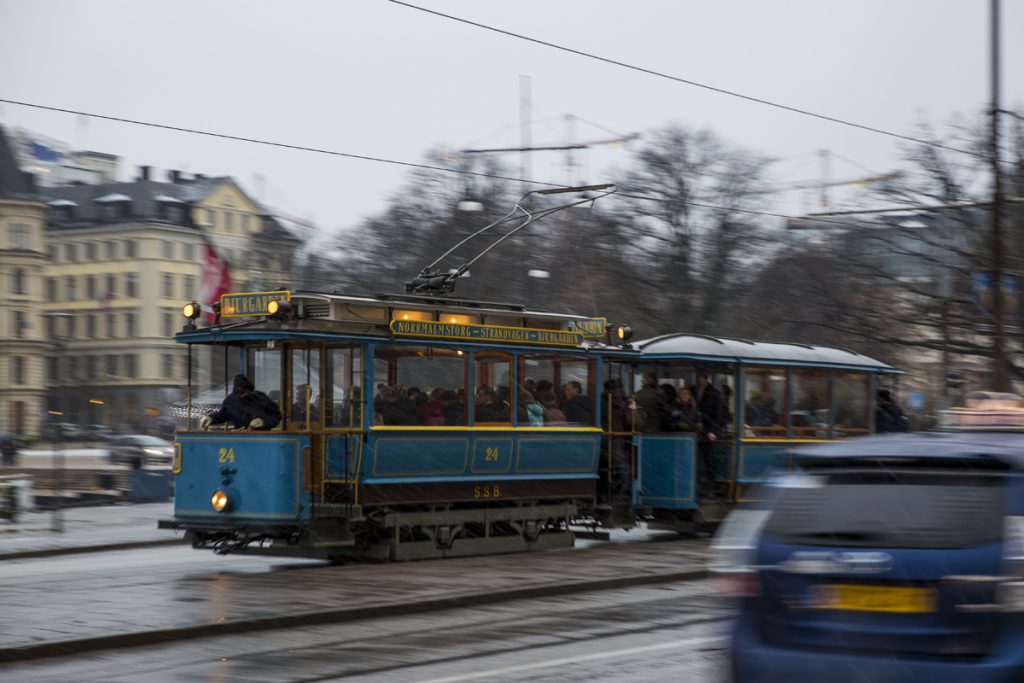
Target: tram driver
244	407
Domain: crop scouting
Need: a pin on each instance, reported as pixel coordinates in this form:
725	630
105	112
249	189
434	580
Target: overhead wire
271	143
363	157
696	84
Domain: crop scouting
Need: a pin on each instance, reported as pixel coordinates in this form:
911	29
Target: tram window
852	403
419	385
492	402
305	386
264	370
812	415
765	398
545	380
343	398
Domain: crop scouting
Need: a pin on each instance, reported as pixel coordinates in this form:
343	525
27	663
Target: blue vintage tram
361	466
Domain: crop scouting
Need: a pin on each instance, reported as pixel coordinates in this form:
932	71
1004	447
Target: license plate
898	599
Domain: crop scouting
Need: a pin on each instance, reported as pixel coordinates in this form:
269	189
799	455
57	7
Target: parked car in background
63	431
98	433
139	450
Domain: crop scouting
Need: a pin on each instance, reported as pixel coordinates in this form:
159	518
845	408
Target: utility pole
998	309
525	114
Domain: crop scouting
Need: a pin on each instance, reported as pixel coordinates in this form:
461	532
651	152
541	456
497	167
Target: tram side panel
410	467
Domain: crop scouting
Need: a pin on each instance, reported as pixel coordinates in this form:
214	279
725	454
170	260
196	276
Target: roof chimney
143	173
174	176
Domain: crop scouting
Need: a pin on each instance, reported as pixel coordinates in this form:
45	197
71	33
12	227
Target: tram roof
433	303
744	351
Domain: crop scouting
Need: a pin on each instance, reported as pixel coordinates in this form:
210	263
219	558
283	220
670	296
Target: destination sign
591	328
485	333
248	304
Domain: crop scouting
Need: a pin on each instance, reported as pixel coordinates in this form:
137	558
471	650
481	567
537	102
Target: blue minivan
888	558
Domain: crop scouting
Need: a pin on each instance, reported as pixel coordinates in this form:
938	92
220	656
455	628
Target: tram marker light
624	333
278	308
191	310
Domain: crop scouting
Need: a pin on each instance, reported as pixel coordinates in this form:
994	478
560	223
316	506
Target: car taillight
733	552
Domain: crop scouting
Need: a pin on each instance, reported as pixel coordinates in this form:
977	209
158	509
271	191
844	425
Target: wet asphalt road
642	634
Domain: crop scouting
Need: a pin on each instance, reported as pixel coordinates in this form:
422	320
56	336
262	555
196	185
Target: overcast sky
374	78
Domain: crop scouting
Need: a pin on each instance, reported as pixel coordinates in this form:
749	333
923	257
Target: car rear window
888	508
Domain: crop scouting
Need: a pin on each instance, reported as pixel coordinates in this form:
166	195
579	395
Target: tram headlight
220	500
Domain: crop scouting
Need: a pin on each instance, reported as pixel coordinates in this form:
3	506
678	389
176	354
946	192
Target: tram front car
403	432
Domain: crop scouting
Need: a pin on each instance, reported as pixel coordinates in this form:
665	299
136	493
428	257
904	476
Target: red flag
216	280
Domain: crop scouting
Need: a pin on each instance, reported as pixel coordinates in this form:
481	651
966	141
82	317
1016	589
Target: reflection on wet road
644	634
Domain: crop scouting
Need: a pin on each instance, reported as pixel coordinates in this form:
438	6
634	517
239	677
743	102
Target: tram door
303	412
617	459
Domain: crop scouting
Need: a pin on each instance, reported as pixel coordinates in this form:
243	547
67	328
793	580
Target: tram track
335	616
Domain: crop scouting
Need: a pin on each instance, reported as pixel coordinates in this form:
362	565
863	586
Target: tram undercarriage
396	534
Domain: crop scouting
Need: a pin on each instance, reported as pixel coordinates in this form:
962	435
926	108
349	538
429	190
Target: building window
51	368
168	249
111	325
168	285
111	286
51	289
52	252
168	366
131	249
131	285
90	326
168	319
18	281
71	252
18	370
111	366
71	368
190	252
71	287
173	213
190	286
90	251
19	324
111	250
246	221
90	367
20	236
90	287
72	326
129	324
130	368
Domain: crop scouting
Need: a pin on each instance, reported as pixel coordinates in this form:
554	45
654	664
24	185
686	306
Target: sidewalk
86	529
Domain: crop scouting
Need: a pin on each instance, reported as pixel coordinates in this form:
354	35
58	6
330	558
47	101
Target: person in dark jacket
682	413
889	417
712	422
578	408
648	403
244	408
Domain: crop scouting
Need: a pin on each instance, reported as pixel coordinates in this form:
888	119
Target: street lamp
60	345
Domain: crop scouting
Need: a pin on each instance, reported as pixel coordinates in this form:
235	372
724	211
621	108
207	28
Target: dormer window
170	209
63	210
114	206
